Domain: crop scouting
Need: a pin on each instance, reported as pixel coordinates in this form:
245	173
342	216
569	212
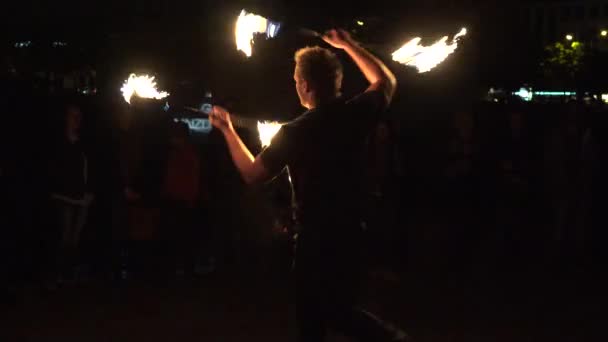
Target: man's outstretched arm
252	169
375	71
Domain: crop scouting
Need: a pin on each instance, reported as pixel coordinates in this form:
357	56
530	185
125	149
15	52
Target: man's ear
306	87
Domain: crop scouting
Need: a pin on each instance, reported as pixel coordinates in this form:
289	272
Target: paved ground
244	306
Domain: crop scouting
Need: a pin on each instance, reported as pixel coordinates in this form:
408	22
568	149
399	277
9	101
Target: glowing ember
267	131
142	86
425	58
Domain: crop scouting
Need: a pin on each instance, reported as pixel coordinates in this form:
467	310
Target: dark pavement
246	305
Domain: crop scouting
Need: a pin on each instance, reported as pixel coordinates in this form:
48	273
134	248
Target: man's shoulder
322	112
302	120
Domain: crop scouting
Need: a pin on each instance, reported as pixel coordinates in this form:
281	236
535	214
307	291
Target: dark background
490	253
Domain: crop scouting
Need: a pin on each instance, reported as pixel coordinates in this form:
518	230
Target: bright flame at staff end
247	25
425	58
142	86
267	131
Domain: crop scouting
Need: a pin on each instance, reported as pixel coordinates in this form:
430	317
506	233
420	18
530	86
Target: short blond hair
321	68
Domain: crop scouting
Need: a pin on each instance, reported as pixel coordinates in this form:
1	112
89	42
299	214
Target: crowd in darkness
513	186
92	187
538	174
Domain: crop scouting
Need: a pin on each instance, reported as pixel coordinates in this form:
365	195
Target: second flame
425	58
142	86
267	131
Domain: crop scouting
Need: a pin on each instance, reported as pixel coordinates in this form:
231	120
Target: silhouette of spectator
70	195
182	196
563	146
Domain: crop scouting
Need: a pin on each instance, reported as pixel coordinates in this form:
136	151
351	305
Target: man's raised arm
375	71
252	169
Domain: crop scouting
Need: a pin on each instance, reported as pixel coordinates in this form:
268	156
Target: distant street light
569	37
604	33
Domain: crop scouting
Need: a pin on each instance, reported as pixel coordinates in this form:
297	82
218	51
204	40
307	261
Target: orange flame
142	86
425	58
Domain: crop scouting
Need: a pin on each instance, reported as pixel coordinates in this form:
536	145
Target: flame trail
425	58
142	86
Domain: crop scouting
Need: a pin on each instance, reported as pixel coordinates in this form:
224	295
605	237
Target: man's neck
322	101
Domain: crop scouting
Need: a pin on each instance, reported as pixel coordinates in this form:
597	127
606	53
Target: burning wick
249	24
425	58
267	131
142	86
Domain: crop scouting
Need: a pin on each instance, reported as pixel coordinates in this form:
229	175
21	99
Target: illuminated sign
197	125
207	108
555	93
525	94
23	44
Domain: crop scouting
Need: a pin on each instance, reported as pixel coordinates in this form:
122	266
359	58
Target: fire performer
323	149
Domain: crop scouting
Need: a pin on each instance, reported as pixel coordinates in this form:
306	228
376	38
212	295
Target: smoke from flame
425	58
267	130
142	86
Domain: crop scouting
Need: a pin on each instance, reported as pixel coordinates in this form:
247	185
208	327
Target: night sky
82	16
190	44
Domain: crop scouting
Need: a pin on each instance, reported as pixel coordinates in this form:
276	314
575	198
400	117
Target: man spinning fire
323	149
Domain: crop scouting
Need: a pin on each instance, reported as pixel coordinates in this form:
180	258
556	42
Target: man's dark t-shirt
324	149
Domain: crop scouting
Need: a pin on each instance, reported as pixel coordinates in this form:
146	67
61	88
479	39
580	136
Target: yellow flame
247	25
425	58
462	33
267	131
142	86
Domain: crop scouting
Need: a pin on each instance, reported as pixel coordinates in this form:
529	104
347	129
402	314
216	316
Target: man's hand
251	169
220	118
340	39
